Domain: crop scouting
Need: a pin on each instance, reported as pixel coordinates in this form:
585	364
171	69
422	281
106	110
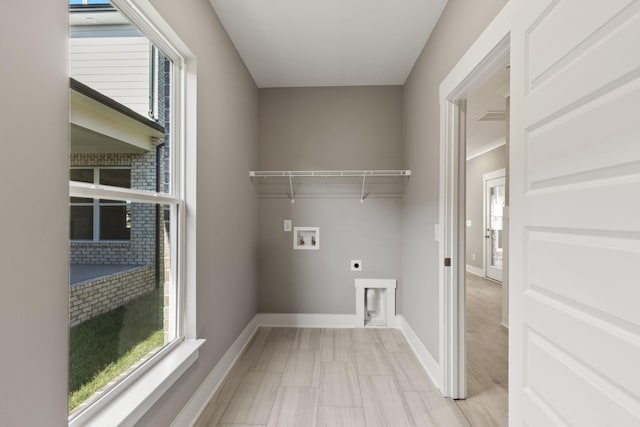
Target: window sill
129	405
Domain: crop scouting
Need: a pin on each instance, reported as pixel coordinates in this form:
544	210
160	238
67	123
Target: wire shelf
360	184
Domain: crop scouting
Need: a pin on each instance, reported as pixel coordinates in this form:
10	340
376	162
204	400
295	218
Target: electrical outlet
287	225
473	257
356	265
468	223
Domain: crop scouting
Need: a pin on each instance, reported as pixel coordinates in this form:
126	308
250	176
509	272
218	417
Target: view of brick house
119	125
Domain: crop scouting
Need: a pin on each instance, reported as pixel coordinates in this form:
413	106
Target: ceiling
300	43
490	97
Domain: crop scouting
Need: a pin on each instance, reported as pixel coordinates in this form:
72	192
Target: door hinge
447	262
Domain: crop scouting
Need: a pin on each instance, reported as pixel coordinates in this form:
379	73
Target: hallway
487	355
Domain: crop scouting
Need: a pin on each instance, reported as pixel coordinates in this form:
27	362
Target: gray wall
476	167
34	119
226	203
327	128
459	26
34	219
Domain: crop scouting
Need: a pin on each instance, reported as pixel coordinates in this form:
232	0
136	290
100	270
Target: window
84	2
100	219
126	304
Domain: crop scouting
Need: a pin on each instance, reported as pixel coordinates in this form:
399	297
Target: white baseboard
303	320
198	402
194	407
428	362
475	270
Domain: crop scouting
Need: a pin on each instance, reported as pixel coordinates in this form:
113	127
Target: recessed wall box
307	238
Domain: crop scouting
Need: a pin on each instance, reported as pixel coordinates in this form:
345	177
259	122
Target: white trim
389	302
376	283
315	239
97	191
475	270
424	356
488	148
487	54
498	173
127	406
307	320
458	83
198	402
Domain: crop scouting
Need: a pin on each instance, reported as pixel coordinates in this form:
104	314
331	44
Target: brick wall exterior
141	249
91	298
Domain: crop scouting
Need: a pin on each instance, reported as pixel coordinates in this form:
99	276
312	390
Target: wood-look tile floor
329	378
487	355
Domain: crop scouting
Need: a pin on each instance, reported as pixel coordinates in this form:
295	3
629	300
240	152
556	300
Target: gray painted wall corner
227	206
460	24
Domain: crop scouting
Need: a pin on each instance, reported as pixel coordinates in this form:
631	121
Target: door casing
489	53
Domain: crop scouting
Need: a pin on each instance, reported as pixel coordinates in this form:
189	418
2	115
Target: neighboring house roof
111	103
100	124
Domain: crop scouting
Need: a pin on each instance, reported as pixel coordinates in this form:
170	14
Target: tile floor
329	377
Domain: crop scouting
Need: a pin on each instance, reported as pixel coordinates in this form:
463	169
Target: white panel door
575	213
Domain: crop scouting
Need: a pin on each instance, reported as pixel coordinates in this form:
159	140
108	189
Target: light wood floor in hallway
487	355
329	378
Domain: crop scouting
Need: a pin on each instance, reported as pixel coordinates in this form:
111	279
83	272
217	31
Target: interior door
494	192
575	213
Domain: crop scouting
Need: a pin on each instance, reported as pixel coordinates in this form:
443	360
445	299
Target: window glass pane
122	302
116	177
83	200
115	221
81	175
81	222
110	202
120	250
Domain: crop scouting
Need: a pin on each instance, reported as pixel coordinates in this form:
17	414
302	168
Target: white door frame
500	173
486	56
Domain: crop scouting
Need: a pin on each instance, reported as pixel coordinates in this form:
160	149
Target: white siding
115	66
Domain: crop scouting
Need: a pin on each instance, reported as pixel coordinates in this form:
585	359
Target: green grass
102	348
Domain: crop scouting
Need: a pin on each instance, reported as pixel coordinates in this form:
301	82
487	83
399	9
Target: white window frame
127	401
95	203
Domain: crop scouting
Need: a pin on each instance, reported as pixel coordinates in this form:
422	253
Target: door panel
577	330
549	48
571	265
575	213
599	135
566	384
609	66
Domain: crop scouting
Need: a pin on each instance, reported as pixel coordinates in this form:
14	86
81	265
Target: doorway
489	54
484	140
